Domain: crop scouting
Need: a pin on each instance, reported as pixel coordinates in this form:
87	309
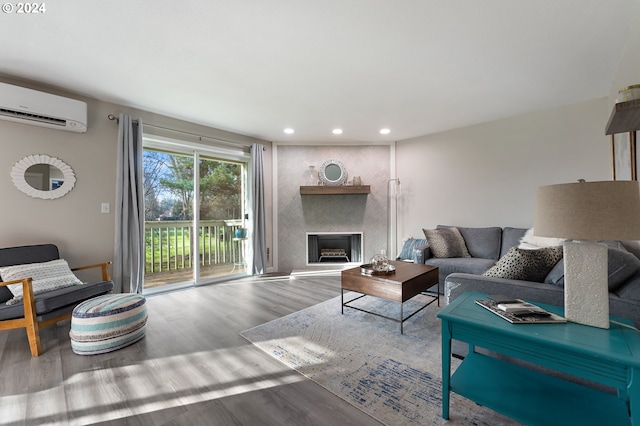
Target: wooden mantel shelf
329	190
624	118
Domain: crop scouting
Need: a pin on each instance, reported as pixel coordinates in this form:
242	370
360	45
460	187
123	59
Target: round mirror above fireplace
332	173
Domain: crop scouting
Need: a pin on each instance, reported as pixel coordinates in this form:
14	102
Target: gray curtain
259	239
128	258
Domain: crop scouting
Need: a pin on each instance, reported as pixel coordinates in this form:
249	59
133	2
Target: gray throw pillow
621	266
526	265
446	242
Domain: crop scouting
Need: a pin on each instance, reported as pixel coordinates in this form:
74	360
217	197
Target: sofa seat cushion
55	299
526	265
470	265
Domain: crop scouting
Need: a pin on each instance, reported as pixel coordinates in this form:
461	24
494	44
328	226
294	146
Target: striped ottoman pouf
107	323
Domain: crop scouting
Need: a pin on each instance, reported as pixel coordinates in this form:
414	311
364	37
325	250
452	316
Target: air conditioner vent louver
27	106
33	117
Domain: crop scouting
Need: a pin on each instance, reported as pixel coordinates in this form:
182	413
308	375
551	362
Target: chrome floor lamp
392	220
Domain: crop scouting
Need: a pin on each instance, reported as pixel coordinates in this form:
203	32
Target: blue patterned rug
363	359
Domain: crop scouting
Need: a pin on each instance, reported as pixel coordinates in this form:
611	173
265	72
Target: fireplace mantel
331	190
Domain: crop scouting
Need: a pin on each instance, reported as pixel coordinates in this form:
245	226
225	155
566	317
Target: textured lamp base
586	293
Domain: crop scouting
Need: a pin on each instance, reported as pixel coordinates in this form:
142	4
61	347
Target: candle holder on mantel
312	179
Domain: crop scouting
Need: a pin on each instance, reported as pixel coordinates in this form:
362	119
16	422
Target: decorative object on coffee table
367	269
380	262
587	212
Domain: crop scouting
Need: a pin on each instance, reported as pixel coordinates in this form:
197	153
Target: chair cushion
28	254
56	299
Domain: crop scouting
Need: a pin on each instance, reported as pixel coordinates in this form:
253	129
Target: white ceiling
258	66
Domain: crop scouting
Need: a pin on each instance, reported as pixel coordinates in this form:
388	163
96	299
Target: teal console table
607	356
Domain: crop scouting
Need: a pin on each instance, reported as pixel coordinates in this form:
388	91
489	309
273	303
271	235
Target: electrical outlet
105	208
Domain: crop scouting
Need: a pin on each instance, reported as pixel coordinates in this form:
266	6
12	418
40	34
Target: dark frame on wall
623	156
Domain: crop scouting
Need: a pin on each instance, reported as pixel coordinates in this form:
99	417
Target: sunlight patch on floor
104	394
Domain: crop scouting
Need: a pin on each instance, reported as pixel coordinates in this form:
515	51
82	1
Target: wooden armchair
46	308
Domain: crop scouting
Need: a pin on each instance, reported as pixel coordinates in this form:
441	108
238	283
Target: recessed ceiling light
337	131
289	131
385	131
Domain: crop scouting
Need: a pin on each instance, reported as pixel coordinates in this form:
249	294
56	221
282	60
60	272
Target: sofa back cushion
511	238
481	242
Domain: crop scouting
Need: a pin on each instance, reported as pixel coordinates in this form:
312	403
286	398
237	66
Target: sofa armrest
426	251
458	283
103	266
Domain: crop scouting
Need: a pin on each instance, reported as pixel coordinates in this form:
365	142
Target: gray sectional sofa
486	246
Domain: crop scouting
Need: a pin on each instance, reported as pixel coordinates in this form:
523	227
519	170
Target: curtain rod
112	117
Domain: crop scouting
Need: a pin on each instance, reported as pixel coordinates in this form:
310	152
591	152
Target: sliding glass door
222	232
194	221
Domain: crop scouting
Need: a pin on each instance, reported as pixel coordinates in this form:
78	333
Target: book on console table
520	312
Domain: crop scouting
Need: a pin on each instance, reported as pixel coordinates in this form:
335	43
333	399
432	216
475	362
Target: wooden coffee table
409	280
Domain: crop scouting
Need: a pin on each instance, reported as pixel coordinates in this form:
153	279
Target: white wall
628	74
486	175
629	67
74	222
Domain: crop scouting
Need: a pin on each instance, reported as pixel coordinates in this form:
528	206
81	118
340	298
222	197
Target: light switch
105	208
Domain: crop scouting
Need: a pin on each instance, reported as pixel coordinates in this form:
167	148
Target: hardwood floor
192	367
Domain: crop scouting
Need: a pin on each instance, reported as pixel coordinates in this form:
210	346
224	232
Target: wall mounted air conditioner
29	106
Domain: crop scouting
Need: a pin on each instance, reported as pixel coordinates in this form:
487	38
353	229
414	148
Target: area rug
363	359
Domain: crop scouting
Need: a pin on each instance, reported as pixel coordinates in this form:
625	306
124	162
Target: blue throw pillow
409	245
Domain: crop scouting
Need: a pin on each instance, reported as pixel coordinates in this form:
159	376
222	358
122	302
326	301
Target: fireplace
334	247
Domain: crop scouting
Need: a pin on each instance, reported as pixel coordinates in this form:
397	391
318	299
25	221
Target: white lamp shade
608	210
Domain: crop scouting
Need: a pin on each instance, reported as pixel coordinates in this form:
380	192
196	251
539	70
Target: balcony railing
168	244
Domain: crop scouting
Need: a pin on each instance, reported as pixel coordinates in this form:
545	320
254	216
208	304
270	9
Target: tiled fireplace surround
299	214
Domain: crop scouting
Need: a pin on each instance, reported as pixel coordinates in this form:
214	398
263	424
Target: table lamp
585	212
